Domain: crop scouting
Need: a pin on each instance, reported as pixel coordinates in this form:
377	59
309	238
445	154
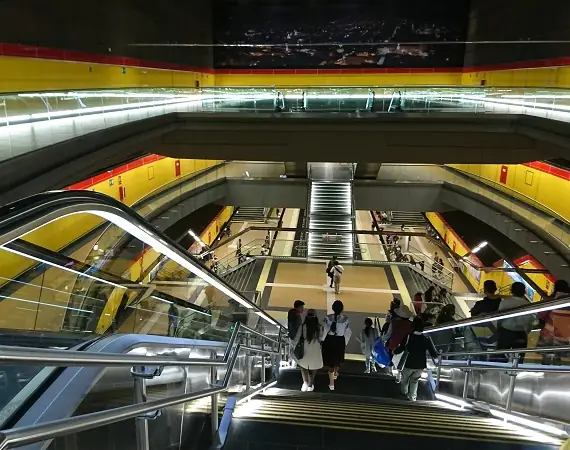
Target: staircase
408	218
365	411
251	214
420	283
330	208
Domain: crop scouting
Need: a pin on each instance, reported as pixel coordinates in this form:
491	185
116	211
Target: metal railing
511	368
468	361
144	367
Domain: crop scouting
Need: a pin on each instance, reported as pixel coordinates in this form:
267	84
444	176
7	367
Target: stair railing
21	436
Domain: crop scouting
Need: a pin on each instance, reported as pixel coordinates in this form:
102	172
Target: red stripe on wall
529	259
99	178
550	169
461	241
30	51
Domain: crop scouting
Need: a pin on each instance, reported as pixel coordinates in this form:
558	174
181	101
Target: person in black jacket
417	345
490	302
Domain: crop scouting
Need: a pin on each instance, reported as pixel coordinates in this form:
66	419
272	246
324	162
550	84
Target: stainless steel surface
214	398
257	333
49	430
141	422
488	368
66	394
559	348
512	382
67	358
540	394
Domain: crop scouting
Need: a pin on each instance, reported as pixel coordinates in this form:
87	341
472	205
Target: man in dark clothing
333	262
417	345
490	302
294	320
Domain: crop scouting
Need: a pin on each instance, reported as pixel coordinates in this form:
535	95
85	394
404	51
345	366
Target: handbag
381	354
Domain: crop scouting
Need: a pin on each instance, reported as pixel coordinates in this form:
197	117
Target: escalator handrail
532	308
23	216
68	358
16	437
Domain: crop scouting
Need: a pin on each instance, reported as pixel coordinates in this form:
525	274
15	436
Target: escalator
365	411
227	357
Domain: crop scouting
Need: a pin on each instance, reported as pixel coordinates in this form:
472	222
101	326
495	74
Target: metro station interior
174	177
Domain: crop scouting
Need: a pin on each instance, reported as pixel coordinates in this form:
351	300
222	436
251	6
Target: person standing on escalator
513	332
336	334
173	319
417	345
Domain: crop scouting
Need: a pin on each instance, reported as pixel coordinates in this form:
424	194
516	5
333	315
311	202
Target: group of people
513	332
402	333
323	344
437	266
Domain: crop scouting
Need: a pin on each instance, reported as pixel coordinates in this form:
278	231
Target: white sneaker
304	388
331	388
310	388
367	371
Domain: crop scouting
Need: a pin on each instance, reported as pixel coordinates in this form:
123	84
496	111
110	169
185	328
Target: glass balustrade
36	119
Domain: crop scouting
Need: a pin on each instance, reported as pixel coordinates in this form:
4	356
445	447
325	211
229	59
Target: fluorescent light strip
529	423
504	316
94	110
250	396
45	304
160	246
452	400
266	317
83	274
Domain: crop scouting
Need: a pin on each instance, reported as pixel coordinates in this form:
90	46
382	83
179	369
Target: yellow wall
525	183
447	79
139	182
453	241
554	77
28	74
477	280
18	74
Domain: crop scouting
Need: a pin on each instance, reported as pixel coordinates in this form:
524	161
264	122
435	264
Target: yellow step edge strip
390	431
364	407
372	421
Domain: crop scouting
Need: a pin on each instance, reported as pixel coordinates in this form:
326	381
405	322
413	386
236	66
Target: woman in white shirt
336	334
312	359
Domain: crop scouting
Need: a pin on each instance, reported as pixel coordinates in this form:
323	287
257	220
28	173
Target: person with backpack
337	271
328	270
417	346
336	334
513	332
368	337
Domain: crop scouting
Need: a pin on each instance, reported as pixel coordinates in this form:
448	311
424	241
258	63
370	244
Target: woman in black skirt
336	334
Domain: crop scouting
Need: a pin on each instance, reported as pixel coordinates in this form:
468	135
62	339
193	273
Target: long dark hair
367	326
338	308
312	326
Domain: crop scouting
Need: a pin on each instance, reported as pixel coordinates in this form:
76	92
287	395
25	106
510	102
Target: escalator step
305	433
